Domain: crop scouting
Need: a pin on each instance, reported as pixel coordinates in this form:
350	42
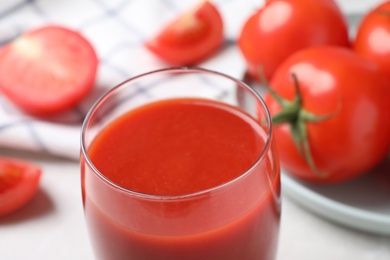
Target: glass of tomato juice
174	167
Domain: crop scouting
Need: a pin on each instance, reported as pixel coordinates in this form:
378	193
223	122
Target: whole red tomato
192	37
341	122
373	36
282	27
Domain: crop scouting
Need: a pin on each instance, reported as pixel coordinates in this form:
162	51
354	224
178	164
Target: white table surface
51	226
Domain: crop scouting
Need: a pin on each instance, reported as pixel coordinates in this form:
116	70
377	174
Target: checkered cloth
117	29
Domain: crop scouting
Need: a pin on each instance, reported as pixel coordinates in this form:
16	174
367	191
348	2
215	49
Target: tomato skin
19	181
190	38
334	80
47	70
282	27
373	36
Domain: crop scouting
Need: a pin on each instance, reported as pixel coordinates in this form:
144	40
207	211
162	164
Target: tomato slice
47	70
19	182
190	38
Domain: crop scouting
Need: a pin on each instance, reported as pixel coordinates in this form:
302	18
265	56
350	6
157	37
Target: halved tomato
191	37
19	181
47	70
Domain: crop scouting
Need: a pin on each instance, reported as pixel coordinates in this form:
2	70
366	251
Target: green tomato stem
297	117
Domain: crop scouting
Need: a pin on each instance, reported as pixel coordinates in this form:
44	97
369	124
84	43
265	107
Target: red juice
171	155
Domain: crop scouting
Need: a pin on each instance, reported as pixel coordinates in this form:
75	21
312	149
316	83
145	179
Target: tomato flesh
191	37
47	70
19	181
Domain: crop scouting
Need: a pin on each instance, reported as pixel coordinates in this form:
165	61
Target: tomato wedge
47	70
19	181
190	38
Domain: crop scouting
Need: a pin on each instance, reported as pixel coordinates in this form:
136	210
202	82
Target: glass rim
185	69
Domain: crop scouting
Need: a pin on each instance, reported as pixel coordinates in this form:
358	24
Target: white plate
363	203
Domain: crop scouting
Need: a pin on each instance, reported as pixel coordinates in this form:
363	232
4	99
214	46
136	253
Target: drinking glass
237	219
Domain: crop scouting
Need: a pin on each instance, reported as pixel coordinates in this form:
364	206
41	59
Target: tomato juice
182	179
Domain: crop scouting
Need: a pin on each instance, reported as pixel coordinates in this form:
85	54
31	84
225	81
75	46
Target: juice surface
177	147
